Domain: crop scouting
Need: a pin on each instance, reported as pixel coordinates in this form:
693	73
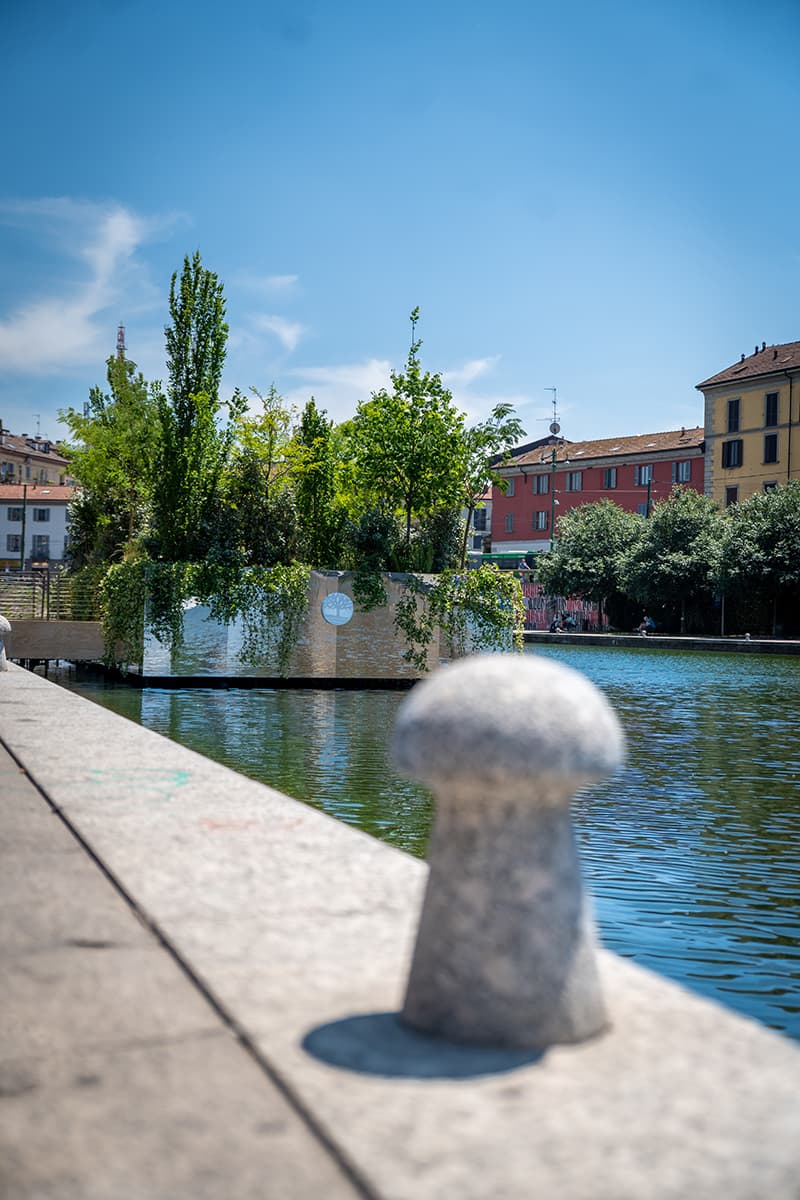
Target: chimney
741	359
774	353
763	345
756	349
683	431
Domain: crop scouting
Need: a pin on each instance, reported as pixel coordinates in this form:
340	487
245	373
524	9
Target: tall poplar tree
194	450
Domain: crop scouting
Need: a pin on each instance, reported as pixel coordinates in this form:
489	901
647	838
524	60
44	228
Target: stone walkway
118	1077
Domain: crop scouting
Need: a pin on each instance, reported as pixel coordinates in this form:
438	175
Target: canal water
692	851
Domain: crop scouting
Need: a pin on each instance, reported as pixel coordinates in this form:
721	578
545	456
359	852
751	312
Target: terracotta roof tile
765	362
639	444
39	491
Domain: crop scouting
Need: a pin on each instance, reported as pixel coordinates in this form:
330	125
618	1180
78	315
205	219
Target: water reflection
692	851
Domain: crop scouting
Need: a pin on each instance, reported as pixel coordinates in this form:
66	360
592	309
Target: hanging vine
144	596
477	610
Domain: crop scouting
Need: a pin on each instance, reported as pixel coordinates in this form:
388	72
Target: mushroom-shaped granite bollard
5	627
505	952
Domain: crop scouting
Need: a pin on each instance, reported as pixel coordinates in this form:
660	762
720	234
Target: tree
761	550
114	459
258	520
193	451
585	560
314	472
408	443
677	556
487	447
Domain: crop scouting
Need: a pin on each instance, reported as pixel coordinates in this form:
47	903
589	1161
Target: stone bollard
5	627
505	952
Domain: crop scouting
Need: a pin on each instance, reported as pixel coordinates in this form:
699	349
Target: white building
37	512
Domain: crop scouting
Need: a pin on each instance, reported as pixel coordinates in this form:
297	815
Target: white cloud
470	371
268	284
70	326
288	333
338	389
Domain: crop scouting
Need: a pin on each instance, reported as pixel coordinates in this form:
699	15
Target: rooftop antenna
555	427
38	420
121	347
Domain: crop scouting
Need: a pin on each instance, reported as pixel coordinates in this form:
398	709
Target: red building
548	478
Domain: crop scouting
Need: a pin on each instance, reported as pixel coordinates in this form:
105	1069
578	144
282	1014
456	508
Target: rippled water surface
692	851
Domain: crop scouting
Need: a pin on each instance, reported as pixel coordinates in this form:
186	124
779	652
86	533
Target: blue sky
599	196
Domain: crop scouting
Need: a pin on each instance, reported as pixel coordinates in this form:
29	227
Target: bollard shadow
380	1044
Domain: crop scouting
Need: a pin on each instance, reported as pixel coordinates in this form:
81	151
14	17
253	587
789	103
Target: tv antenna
555	425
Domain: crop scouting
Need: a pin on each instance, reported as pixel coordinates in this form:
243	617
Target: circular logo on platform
337	609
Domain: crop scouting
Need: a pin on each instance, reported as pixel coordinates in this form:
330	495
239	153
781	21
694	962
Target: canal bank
295	932
636	641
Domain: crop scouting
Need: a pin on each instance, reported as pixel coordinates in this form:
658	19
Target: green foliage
761	550
314	472
676	558
487	447
194	452
408	443
373	542
476	611
585	560
144	596
113	458
196	340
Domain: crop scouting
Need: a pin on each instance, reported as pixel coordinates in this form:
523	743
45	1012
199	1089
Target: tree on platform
408	443
113	458
194	450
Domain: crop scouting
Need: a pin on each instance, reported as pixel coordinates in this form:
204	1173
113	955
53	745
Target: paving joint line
348	1169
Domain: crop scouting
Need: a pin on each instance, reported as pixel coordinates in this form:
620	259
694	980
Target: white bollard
505	951
5	627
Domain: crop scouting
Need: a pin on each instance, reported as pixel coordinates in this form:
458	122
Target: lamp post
24	523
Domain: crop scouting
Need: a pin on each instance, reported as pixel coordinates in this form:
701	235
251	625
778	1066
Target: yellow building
752	423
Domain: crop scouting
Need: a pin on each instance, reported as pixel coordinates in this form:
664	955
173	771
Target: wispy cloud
269	285
470	371
69	326
287	332
338	389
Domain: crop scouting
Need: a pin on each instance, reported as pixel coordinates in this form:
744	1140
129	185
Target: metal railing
47	595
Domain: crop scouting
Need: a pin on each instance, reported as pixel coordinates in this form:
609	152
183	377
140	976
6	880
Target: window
644	475
27	472
41	514
642	509
479	518
477	542
541	485
14	514
681	472
731	496
510	487
733	415
771	408
509	522
732	453
770	447
41	545
13	542
770	485
574	481
610	477
540	520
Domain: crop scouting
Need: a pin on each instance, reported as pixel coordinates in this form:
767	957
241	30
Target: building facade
752	412
26	459
34	524
554	476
